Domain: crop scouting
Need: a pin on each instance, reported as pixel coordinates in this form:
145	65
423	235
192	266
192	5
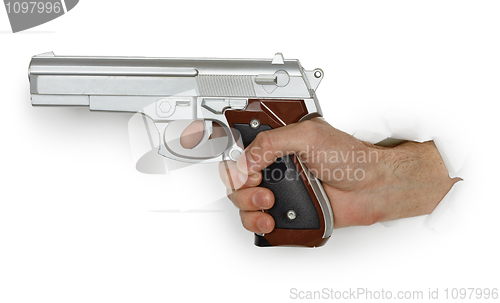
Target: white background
78	223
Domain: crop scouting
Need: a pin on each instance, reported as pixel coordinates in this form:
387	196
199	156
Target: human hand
364	183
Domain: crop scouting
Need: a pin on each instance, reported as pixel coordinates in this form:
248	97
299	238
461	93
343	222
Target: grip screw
291	214
254	123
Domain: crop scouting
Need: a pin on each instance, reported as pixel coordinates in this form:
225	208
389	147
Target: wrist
411	180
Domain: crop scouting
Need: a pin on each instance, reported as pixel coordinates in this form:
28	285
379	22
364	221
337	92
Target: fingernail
263	225
245	163
261	200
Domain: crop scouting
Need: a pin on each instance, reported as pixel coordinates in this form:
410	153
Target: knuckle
254	179
309	127
240	200
245	220
229	193
234	197
265	140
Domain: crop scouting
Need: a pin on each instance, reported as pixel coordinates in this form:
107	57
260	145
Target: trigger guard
167	153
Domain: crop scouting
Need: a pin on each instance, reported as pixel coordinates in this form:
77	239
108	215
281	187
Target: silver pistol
246	95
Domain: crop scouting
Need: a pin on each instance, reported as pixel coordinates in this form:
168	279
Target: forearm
414	182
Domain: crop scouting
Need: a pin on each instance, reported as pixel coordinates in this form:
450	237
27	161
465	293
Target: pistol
243	97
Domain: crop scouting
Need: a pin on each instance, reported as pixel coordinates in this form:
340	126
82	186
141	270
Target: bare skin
388	183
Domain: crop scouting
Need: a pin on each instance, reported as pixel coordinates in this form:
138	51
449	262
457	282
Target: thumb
272	144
